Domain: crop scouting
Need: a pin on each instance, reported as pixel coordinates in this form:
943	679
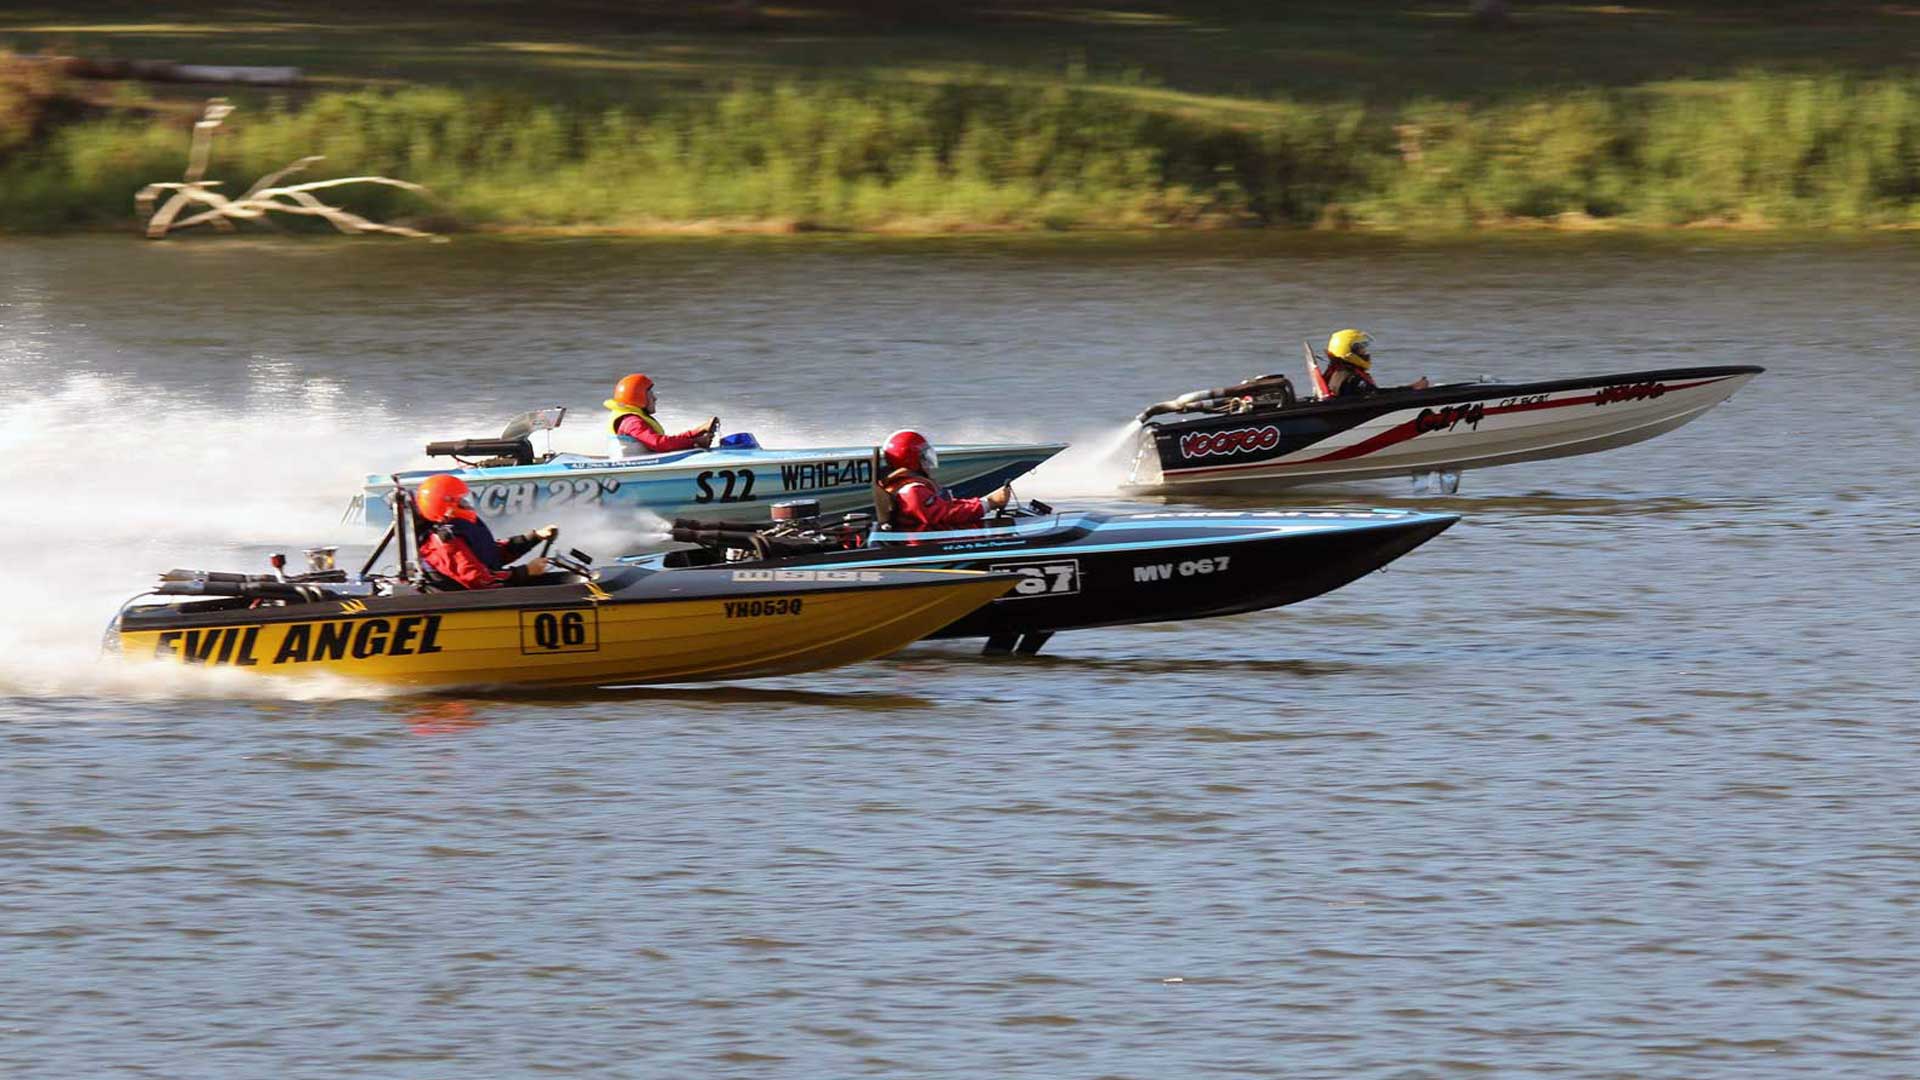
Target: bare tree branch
217	110
265	197
273	178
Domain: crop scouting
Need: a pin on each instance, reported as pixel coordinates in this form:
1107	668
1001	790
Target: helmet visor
1359	347
930	458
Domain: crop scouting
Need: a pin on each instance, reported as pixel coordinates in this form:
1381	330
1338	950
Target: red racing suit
635	426
462	554
918	505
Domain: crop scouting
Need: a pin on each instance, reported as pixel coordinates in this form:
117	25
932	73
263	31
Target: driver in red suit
918	502
459	551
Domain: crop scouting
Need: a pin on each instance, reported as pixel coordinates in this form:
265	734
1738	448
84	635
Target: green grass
951	116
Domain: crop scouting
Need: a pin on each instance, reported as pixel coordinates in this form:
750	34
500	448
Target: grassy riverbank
885	148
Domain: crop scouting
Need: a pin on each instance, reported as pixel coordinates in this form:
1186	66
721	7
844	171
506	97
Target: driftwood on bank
266	196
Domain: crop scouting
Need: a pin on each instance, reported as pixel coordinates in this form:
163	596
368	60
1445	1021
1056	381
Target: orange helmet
443	497
632	391
910	450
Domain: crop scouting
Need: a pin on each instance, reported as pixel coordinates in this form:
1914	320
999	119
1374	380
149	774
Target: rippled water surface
1615	778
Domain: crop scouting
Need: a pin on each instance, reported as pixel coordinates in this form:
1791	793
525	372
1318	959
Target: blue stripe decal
1292	522
1023	553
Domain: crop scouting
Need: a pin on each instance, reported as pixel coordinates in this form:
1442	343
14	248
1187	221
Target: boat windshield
538	420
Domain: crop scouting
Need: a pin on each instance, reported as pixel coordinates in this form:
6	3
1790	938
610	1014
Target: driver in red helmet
918	502
459	551
631	408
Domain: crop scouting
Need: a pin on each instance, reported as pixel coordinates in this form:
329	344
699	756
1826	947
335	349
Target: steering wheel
1018	509
1008	513
570	564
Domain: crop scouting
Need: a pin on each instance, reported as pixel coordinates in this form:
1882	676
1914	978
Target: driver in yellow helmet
1349	366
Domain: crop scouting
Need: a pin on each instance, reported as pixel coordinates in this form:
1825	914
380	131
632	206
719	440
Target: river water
1615	778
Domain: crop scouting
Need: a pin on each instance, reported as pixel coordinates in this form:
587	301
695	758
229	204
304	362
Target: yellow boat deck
677	626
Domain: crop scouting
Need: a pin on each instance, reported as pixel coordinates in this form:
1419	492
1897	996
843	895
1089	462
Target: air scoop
518	451
1261	391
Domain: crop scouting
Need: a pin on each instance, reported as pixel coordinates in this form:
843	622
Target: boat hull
1194	578
1412	432
680	626
724	484
1089	570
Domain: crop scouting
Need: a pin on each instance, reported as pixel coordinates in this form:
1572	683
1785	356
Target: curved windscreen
529	422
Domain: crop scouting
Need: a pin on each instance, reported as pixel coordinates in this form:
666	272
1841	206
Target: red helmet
911	451
443	497
632	391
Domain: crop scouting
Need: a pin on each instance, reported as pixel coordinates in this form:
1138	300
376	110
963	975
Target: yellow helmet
1351	346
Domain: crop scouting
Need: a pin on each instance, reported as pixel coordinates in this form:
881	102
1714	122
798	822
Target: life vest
475	536
896	482
1341	372
618	412
903	478
444	533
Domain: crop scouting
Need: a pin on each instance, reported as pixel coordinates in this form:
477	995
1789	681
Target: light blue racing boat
735	481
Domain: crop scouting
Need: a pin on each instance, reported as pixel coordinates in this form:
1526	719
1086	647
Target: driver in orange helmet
918	502
631	408
459	551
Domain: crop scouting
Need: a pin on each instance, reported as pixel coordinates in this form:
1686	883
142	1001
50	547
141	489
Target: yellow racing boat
619	626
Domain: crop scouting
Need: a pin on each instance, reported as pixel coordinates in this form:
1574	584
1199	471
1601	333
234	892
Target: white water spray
1095	468
108	482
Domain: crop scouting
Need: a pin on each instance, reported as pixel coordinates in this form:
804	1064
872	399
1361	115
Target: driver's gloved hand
517	546
525	572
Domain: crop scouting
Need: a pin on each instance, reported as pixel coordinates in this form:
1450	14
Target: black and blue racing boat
1082	570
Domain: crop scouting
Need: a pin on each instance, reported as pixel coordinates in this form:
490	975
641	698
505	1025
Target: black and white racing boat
1083	569
1258	435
